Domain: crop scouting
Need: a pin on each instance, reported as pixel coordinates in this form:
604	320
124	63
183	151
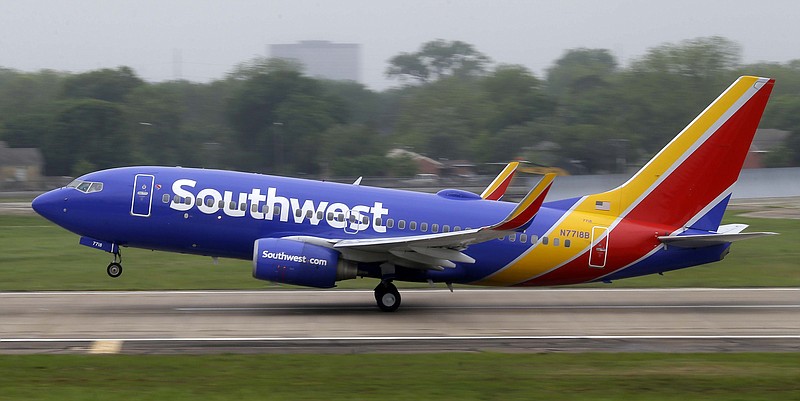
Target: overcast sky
213	36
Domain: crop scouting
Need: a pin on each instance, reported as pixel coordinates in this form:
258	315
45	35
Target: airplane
310	233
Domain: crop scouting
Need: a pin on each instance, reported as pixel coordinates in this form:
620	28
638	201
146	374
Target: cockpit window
86	186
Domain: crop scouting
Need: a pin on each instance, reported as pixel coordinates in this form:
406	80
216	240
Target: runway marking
106	347
490	307
409	338
410	290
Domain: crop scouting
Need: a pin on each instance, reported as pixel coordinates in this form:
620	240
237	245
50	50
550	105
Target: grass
454	376
37	255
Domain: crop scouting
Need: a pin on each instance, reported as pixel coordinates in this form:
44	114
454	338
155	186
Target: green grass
481	376
37	255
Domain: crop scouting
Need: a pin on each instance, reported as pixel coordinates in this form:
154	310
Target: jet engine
299	263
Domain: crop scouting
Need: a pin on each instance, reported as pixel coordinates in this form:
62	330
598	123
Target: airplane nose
50	204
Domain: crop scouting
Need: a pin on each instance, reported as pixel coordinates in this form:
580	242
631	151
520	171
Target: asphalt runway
429	320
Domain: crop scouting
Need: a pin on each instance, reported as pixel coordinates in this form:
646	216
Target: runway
341	321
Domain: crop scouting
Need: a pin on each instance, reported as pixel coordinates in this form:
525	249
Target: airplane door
142	195
598	252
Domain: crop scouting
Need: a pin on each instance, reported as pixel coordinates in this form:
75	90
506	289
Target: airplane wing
441	250
725	234
499	185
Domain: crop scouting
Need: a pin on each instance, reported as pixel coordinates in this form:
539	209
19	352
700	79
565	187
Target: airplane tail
689	182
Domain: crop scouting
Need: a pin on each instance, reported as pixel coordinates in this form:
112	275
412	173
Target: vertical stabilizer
689	182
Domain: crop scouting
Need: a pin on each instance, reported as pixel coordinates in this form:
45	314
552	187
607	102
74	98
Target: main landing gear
114	268
387	296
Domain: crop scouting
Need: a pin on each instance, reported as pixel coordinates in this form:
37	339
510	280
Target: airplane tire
114	269
387	297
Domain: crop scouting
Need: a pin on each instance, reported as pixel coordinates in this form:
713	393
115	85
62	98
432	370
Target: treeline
588	114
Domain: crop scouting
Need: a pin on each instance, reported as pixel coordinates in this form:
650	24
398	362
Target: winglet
526	210
498	187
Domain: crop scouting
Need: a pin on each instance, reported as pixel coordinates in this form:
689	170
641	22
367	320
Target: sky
210	37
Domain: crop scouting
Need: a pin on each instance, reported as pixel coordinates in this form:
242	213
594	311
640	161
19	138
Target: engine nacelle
299	263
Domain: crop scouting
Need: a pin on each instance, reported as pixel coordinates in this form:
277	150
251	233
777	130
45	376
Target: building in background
323	59
20	168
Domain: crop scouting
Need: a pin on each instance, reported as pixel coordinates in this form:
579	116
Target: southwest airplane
310	233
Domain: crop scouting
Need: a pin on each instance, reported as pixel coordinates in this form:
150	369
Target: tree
28	93
437	59
278	115
515	97
106	84
88	132
578	71
704	58
153	123
670	84
440	119
26	130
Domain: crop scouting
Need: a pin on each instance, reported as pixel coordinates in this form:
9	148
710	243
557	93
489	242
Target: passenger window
165	198
401	224
434	228
523	238
456	228
512	237
209	202
545	241
340	217
378	222
330	216
309	214
232	206
412	225
188	200
221	204
253	208
555	241
534	238
276	211
177	199
243	207
445	228
364	220
265	209
319	214
423	227
390	223
567	243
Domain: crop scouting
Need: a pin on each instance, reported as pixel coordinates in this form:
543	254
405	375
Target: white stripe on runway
498	307
408	338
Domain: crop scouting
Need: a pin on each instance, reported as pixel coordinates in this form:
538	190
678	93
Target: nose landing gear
114	268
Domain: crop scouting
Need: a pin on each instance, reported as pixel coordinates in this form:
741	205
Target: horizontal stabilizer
705	240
